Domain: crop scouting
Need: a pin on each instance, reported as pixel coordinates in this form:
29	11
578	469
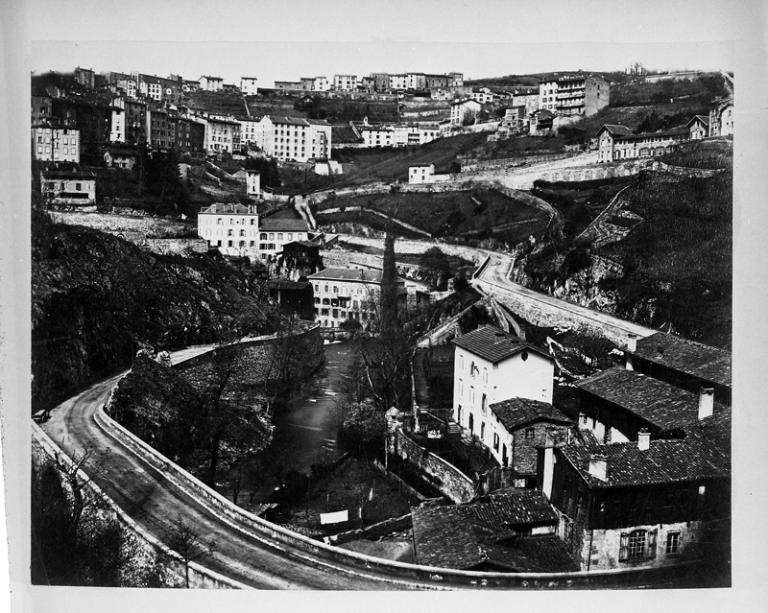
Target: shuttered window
637	545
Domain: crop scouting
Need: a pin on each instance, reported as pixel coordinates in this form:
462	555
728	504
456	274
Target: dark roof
68	174
494	345
277	224
344	134
657	402
291	121
283	284
516	412
696	359
227	207
310	244
703	119
615	130
485	532
703	454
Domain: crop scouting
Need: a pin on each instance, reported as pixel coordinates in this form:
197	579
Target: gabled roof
703	454
272	224
657	402
283	284
494	345
232	208
700	118
615	130
288	121
514	413
710	364
348	274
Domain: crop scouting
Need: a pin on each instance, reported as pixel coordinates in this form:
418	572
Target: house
232	228
508	531
343	294
541	122
55	143
249	86
222	135
519	426
211	84
117	121
415	80
68	187
618	143
277	230
645	503
344	82
85	77
683	363
289	86
698	127
421	173
483	95
292	297
295	138
617	405
464	111
574	94
398	82
252	183
302	256
116	156
721	118
491	366
135	121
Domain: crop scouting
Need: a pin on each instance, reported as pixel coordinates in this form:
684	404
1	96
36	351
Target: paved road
239	554
495	276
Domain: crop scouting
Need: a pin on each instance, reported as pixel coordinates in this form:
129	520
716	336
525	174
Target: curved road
239	554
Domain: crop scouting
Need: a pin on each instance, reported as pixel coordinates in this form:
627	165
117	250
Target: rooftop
283	284
349	274
68	174
228	208
494	345
517	412
290	121
696	359
703	454
657	402
278	224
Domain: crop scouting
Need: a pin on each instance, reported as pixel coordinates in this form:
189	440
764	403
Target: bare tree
185	541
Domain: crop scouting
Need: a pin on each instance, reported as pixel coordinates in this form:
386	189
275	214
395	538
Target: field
470	216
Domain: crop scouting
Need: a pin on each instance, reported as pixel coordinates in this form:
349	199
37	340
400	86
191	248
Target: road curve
151	502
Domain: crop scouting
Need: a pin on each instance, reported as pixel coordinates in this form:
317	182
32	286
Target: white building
347	293
484	96
252	183
398	81
277	231
617	143
344	82
491	366
222	135
252	132
294	138
117	121
211	84
249	86
464	110
68	187
422	173
55	144
321	84
416	80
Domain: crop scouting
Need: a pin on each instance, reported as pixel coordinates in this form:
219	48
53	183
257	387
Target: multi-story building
249	86
289	86
698	127
464	110
483	96
190	135
277	231
294	138
574	95
307	83
211	84
161	89
42	109
321	84
491	366
530	100
135	121
343	294
232	228
437	81
380	81
252	183
645	503
222	135
618	143
416	80
117	121
251	132
721	118
389	135
344	82
161	129
68	187
54	143
398	82
85	77
457	79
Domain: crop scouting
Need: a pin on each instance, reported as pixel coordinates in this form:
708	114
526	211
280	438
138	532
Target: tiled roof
701	118
703	454
226	207
615	130
494	345
484	532
349	274
516	412
696	359
291	121
657	402
283	284
277	224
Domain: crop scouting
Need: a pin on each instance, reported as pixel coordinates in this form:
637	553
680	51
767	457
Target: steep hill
97	298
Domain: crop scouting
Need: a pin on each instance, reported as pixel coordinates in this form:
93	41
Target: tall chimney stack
598	466
706	402
643	440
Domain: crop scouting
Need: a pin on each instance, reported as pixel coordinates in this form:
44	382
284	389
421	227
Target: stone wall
146	225
373	532
443	475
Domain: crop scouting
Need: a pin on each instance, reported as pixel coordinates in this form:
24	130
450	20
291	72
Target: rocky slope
96	299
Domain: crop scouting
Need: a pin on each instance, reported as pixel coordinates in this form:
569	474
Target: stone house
698	127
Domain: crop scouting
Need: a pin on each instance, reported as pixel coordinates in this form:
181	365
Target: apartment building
277	231
398	81
321	84
464	110
232	228
222	135
211	84
52	143
574	95
251	132
343	294
294	138
483	96
249	86
345	82
135	121
618	143
416	80
389	135
289	86
117	121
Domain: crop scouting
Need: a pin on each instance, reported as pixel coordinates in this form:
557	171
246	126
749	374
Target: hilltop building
294	138
211	84
249	86
464	110
574	95
618	143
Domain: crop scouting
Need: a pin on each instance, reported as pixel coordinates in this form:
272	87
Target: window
495	441
637	545
230	232
529	432
673	543
263	236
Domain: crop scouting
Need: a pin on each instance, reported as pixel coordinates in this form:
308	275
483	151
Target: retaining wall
448	479
375	531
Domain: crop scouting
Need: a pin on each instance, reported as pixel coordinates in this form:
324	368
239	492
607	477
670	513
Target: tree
436	265
362	428
185	541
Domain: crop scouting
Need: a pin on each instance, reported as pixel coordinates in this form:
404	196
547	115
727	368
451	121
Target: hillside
96	299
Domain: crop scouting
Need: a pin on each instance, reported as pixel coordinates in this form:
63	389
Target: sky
286	41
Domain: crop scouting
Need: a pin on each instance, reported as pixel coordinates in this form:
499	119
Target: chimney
631	343
598	466
706	402
643	440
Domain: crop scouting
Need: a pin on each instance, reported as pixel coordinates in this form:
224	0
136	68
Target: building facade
55	144
68	188
249	86
211	84
618	143
464	110
294	138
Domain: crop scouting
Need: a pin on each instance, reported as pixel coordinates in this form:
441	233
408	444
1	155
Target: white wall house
249	86
252	183
53	144
117	121
68	187
211	84
463	109
295	138
232	228
421	174
491	366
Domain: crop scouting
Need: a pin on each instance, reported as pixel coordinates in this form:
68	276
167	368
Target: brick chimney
643	440
598	466
706	402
